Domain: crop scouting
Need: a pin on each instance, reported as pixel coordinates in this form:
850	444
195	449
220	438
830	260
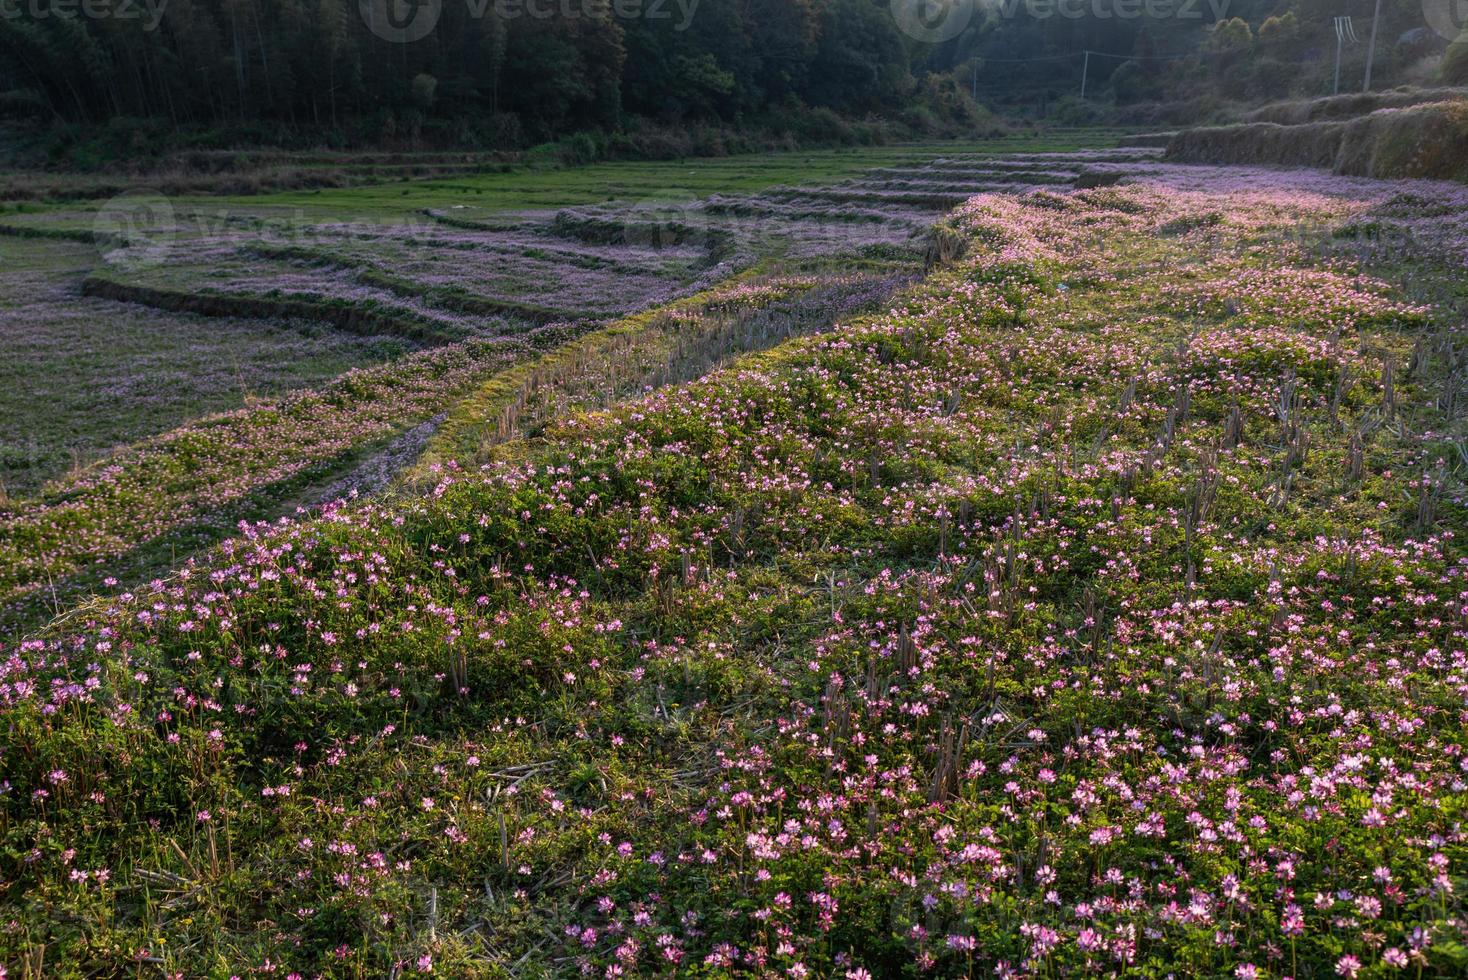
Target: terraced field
462	269
337	330
82	376
461	317
1074	588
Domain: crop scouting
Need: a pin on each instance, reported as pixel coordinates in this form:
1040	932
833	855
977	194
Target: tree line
548	69
509	73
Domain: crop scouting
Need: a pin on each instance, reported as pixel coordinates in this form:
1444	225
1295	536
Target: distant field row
546	187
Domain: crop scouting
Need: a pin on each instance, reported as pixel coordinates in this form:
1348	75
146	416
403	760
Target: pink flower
1293	923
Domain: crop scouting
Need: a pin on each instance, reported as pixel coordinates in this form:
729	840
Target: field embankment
343	315
1429	140
145	506
1351	105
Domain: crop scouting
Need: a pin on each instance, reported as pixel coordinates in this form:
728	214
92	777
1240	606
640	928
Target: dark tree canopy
513	72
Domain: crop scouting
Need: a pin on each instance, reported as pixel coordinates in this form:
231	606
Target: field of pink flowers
150	504
1096	607
186	487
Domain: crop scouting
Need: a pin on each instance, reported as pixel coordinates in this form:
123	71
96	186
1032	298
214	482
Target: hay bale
945	246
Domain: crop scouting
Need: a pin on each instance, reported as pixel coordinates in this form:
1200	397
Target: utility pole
1085	73
1371	50
1343	29
1338	41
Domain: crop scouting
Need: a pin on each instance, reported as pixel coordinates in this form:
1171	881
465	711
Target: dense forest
489	70
511	73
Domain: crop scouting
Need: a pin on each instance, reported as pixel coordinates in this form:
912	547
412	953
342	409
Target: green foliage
1231	36
1454	67
1279	30
491	75
425	86
965	629
1129	82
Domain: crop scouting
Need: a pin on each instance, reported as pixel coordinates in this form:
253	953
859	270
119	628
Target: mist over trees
1030	54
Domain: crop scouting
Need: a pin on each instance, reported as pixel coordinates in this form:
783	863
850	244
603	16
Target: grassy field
681	180
538	188
1093	605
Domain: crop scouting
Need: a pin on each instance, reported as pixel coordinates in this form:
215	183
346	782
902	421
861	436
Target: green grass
88	380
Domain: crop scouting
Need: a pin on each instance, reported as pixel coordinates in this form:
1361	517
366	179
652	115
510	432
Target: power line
1087	54
1079	54
1148	57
